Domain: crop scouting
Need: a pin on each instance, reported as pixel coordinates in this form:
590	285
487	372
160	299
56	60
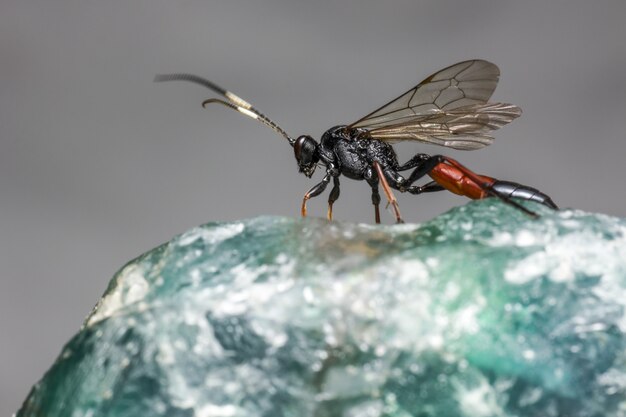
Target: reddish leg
390	197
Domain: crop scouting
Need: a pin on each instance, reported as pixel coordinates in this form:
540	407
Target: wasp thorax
305	150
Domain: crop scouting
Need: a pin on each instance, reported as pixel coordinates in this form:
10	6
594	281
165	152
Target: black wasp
450	108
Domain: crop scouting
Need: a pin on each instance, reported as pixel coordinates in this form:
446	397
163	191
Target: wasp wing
449	108
465	128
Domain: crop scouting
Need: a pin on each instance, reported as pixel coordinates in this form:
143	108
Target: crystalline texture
479	312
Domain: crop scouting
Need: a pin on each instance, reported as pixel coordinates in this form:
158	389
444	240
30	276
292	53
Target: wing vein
449	108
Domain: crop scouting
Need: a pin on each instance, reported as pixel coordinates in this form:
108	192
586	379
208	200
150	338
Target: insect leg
413	162
429	187
426	166
314	191
334	195
402	184
423	165
387	189
373	182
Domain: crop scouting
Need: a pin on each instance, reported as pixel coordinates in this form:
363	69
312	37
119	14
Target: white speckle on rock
130	287
501	239
211	236
568	255
525	238
478	401
212	410
166	354
529	354
466	320
530	397
307	293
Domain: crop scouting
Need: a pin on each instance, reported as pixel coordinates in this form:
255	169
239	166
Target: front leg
372	180
315	191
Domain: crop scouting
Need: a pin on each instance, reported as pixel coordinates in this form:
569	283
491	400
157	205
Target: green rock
479	312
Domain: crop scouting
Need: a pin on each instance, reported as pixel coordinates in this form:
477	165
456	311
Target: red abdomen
453	180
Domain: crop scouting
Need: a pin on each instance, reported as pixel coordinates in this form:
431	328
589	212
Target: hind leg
429	187
423	164
414	161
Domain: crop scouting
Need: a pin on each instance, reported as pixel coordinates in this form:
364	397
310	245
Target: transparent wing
449	108
466	128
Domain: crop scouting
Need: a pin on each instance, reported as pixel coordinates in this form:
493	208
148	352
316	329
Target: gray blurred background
98	164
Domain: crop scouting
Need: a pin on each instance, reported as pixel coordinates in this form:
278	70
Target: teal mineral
480	312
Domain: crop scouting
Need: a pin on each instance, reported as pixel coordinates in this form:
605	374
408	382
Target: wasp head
306	152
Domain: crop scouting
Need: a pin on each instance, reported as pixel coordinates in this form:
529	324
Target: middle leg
373	182
332	197
387	189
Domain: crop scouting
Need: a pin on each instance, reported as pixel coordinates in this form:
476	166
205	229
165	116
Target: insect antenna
234	102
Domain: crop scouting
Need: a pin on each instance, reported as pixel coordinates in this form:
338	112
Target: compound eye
297	147
304	148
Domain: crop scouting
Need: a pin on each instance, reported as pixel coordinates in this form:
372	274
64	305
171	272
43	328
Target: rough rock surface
479	312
